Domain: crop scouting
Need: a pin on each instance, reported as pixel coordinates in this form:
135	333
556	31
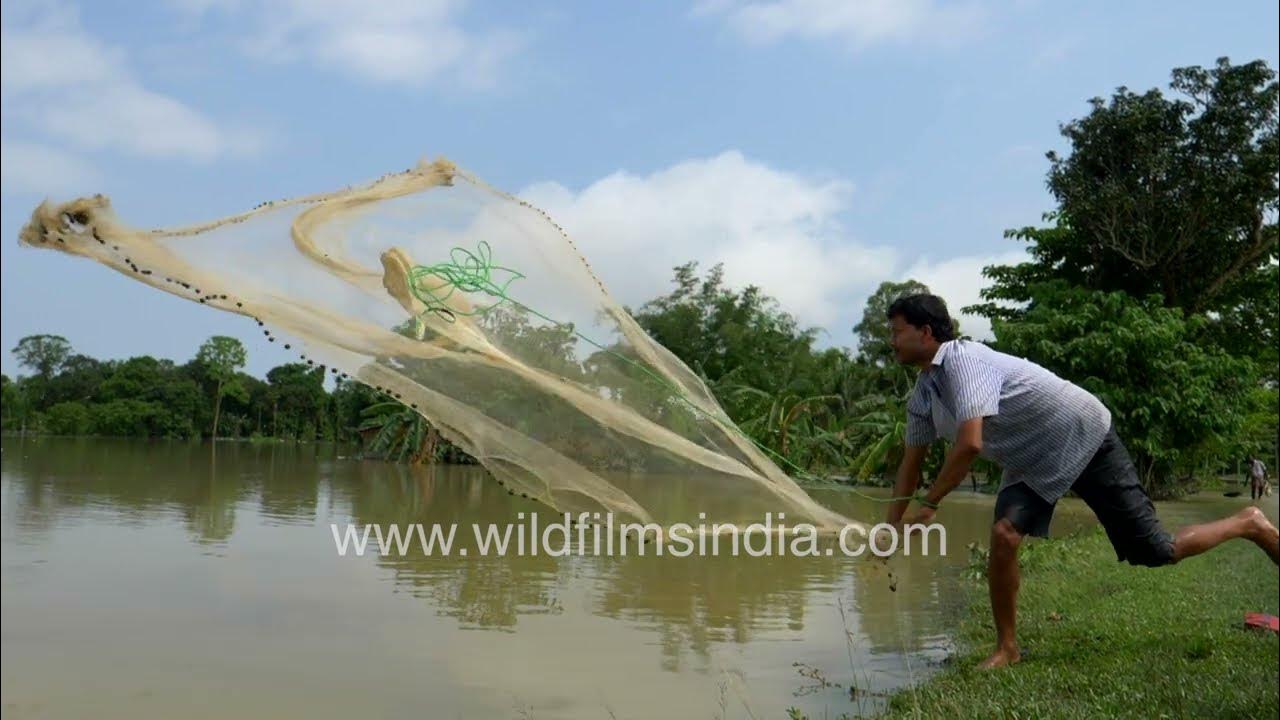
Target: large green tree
145	396
1171	396
1155	281
298	400
43	354
756	358
77	379
1174	196
222	358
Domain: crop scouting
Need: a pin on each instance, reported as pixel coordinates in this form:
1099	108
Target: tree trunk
427	450
217	409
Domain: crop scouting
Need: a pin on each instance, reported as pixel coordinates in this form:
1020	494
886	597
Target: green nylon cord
472	272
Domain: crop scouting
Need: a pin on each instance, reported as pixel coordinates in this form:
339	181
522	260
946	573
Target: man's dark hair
921	310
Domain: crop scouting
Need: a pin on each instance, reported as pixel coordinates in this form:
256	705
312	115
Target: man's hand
908	480
923	516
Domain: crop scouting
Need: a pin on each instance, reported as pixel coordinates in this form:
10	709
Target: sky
815	147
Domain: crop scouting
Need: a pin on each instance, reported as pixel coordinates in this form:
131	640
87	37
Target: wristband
925	502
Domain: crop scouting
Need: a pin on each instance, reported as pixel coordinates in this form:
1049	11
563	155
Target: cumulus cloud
771	228
66	86
858	23
405	42
958	280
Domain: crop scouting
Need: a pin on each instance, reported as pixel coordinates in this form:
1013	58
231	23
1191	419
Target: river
162	579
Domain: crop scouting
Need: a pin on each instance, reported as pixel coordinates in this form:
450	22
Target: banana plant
786	421
402	434
880	430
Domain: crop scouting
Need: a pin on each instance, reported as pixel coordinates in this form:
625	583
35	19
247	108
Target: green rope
472	272
466	271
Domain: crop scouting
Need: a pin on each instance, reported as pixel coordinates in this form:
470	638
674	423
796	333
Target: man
1258	479
1050	436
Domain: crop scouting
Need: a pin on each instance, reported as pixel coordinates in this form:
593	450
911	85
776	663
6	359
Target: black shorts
1109	486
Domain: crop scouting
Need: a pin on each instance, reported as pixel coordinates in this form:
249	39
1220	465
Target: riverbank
1103	639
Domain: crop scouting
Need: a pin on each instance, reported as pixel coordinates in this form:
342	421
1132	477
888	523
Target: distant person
1050	436
1258	485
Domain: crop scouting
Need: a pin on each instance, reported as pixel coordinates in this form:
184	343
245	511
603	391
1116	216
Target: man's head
918	324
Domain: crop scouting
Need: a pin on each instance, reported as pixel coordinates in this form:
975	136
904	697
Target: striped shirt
1040	428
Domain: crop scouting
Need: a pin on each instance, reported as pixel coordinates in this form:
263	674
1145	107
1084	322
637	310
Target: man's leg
1003	581
1020	512
1249	523
1110	487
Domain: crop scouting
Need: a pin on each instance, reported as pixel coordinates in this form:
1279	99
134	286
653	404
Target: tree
731	336
149	398
872	331
297	397
68	418
222	357
1165	235
402	434
77	380
1175	197
16	402
349	399
43	353
1169	394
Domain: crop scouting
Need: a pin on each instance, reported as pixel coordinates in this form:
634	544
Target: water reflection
691	603
257	518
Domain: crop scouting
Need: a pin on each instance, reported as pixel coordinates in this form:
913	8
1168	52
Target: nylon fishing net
476	310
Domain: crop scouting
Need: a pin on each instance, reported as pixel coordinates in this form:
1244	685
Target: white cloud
42	170
958	280
770	228
59	81
405	42
859	23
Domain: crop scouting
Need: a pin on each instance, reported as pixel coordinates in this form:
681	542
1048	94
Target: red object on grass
1262	621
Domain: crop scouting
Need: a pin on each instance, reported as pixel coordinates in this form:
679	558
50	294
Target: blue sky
815	147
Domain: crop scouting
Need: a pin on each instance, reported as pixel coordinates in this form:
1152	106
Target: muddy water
162	580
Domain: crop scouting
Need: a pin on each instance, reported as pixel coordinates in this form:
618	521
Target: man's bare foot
1263	532
1001	658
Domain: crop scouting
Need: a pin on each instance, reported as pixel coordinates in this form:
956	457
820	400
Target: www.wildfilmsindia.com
594	534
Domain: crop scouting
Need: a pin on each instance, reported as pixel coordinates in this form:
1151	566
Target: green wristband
925	502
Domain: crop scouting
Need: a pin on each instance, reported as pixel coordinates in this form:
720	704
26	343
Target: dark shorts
1110	487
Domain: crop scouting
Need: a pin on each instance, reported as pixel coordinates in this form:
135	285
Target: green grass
1104	639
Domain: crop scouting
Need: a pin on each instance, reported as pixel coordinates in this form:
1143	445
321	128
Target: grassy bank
1107	640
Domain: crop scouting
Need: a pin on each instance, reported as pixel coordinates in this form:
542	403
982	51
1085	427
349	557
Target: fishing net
476	310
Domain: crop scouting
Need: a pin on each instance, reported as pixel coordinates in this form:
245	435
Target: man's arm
908	481
975	395
959	460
